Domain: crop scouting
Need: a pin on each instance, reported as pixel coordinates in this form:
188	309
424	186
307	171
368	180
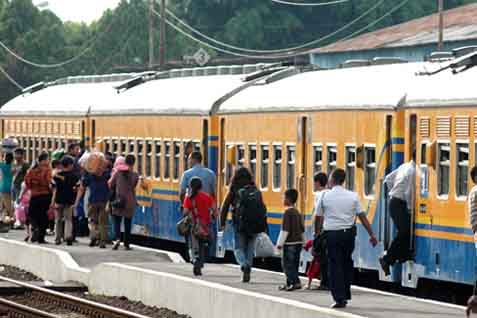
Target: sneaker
93	242
116	245
69	242
283	287
197	271
246	275
339	305
385	266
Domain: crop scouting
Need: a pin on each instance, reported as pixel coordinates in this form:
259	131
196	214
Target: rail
65	301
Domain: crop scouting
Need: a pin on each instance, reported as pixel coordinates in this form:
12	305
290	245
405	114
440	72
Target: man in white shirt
340	208
320	182
402	185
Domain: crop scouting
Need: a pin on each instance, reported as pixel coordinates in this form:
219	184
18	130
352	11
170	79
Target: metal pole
162	58
151	33
440	44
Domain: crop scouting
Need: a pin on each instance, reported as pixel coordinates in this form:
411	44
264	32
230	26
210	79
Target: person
320	181
19	170
401	183
314	270
471	306
244	243
38	181
123	183
97	183
339	208
208	179
199	205
290	240
64	195
472	211
6	188
56	168
75	151
22	210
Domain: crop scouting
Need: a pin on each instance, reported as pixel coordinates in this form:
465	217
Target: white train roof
60	100
444	89
373	87
181	95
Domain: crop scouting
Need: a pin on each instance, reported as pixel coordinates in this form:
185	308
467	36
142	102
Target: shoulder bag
199	229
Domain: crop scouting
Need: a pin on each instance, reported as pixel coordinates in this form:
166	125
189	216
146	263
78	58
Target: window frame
315	147
372	194
461	142
329	164
252	161
262	163
277	170
157	159
438	168
176	159
350	165
148	159
241	149
140	143
167	175
290	163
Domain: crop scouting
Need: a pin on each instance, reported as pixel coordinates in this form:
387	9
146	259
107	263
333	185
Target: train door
205	141
304	138
411	155
385	220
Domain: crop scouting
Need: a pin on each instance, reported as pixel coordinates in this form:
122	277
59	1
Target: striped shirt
472	206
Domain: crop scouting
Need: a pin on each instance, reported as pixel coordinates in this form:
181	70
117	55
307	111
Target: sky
79	10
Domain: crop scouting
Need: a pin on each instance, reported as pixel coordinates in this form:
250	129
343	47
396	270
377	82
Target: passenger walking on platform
38	181
207	177
320	182
199	205
6	188
123	183
402	186
64	195
99	196
19	171
340	208
290	241
243	188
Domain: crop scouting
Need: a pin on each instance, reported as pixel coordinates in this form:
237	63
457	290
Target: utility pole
440	43
162	57
151	33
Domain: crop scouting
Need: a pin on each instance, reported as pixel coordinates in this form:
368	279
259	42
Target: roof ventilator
461	51
439	57
135	81
387	60
355	63
457	65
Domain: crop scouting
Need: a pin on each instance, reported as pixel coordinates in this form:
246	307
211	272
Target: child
21	211
290	241
314	269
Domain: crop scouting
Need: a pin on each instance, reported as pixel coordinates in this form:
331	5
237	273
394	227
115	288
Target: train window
50	144
157	161
423	154
123	148
277	167
29	149
332	157
462	169
177	160
370	169
107	145
188	149
252	159
241	155
140	157
291	161
115	146
228	167
37	148
63	144
131	144
148	172
265	157
167	160
443	170
350	167
317	159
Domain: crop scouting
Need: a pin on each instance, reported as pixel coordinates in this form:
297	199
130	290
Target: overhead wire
309	4
284	50
11	79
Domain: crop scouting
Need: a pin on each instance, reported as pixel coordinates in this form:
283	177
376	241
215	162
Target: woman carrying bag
199	206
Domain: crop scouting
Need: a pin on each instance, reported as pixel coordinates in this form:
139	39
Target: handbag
184	226
199	229
264	246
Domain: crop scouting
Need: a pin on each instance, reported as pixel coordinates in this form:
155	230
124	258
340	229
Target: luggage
264	246
184	226
93	162
251	211
9	144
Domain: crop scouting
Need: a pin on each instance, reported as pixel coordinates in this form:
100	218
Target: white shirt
472	206
318	195
402	183
339	208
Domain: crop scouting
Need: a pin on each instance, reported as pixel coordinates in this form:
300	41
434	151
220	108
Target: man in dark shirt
65	183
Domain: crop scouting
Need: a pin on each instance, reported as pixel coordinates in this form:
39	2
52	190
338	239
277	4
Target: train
285	122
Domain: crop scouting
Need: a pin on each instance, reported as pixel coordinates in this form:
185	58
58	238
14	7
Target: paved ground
365	302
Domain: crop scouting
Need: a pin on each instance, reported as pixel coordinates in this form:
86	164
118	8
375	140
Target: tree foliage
118	41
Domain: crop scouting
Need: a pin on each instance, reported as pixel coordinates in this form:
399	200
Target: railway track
70	306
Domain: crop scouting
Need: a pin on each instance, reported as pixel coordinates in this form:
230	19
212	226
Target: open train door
303	140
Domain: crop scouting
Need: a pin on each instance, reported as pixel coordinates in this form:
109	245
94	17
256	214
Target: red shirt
203	202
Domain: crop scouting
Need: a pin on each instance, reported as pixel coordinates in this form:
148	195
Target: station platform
163	279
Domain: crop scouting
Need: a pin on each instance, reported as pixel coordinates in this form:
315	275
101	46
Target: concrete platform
162	279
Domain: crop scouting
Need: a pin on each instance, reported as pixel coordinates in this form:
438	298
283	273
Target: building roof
459	24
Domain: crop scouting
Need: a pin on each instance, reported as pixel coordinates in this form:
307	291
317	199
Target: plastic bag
220	246
21	213
264	246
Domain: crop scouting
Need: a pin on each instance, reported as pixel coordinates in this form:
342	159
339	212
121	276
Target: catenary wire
314	42
11	79
309	4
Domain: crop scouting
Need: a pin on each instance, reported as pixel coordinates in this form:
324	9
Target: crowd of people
52	194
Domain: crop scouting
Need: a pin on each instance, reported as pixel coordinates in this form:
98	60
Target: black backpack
251	211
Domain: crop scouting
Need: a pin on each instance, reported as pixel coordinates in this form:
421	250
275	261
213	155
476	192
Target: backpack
251	211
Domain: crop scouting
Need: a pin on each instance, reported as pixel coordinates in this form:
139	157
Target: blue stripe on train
449	229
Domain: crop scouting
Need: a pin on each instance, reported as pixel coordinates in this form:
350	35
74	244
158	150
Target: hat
120	164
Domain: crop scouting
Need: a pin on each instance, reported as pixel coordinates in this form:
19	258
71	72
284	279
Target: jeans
38	216
98	219
399	251
291	262
127	228
244	249
340	263
63	222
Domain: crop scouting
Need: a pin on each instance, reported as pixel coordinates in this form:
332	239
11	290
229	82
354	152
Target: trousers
127	228
399	251
291	262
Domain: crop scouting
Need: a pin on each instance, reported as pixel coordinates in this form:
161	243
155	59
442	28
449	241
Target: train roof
60	100
181	95
370	87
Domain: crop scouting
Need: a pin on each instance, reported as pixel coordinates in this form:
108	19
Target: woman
123	183
199	205
244	244
38	181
